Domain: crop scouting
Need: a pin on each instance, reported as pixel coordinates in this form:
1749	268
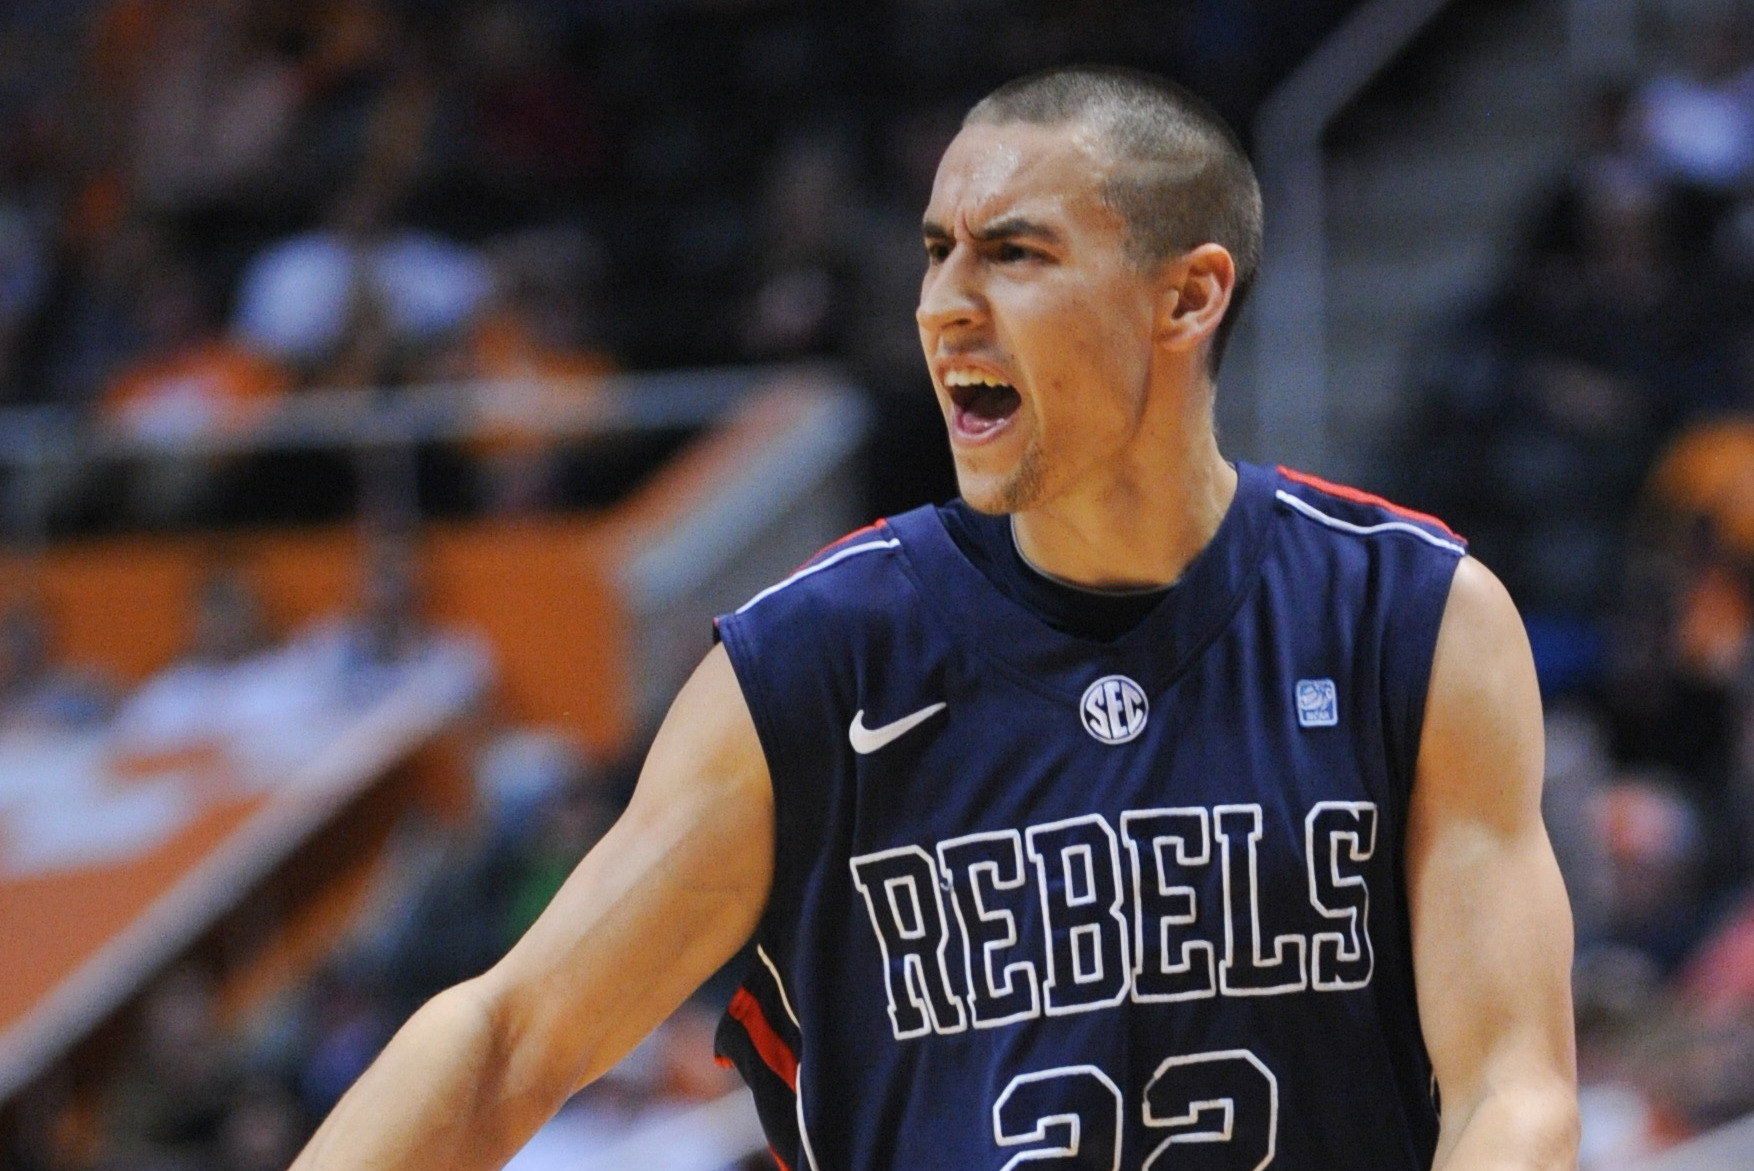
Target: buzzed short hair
1189	182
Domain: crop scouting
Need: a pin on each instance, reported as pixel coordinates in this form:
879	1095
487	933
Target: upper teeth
971	378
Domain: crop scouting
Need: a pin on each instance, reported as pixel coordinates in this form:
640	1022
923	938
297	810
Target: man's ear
1194	294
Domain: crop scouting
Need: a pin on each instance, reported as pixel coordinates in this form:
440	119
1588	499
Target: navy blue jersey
1047	901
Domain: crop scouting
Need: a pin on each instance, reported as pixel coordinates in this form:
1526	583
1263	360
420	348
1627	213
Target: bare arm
1491	924
669	894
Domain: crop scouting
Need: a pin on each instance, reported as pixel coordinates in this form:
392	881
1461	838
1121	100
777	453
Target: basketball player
1141	810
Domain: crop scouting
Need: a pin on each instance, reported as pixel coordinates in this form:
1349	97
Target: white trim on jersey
785	1001
803	1132
1391	526
832	559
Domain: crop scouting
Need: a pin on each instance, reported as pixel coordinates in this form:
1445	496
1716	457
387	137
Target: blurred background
391	391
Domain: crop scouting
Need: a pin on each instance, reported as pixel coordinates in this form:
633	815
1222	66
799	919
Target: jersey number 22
1217	1112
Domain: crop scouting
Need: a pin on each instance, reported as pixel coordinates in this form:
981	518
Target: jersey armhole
731	635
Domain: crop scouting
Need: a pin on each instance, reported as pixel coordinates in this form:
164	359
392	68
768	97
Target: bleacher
249	813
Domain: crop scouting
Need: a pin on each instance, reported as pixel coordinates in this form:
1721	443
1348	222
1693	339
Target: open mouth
982	403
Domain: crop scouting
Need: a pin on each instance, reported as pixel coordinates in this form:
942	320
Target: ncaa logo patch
1318	703
1114	709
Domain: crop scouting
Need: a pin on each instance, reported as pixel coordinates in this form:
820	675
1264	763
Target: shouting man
1137	810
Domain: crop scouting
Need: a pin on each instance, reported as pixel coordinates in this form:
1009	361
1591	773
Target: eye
937	251
1008	253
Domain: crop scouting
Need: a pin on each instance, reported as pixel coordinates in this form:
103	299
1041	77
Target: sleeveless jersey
1051	902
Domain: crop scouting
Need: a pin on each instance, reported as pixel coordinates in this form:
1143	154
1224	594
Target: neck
1141	526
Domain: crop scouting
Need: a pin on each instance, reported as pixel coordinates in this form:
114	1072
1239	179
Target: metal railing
1290	309
44	449
1289	326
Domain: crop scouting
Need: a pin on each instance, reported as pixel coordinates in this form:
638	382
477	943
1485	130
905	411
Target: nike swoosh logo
868	740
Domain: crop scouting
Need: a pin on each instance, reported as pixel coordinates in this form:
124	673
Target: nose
949	296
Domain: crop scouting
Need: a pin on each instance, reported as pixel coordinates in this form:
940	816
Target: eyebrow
1006	228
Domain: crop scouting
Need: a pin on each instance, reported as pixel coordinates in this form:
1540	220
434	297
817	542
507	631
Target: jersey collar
1015	639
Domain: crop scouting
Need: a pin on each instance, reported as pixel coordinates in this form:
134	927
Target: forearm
1520	1127
1496	1009
442	1094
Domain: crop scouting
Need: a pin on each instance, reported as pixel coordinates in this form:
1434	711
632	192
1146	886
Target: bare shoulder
707	742
1482	644
1481	747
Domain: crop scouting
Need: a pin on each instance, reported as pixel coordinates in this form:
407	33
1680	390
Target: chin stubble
1024	487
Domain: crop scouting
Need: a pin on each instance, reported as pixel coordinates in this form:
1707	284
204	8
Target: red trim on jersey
777	1159
1358	497
746	1011
838	541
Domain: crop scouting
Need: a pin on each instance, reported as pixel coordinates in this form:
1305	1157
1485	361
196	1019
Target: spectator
1674	834
95	316
543	320
360	656
190	383
168	1106
1684	643
538	810
550	845
536	350
26	254
351	1023
214	107
1696	123
808	238
190	380
264	1128
358	300
226	695
355	301
1654	845
36	692
527	140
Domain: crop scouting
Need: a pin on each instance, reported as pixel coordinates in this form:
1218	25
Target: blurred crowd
207	205
199	1089
201	1081
1591	429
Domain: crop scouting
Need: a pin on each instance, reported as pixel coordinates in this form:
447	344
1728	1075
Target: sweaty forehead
1014	167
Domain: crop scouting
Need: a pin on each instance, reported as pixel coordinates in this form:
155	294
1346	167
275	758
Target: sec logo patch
1114	709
